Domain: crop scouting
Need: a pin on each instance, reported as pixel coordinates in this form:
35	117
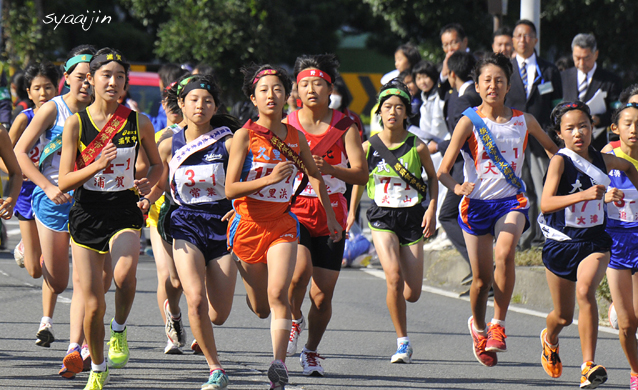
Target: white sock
72	346
46	320
307	350
299	321
481	332
98	367
401	340
498	322
117	327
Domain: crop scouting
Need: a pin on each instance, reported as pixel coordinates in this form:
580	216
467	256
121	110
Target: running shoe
44	337
118	349
172	348
592	376
218	380
86	358
495	338
310	363
18	254
72	364
613	316
403	354
295	332
479	342
174	329
278	375
195	348
549	357
633	382
97	380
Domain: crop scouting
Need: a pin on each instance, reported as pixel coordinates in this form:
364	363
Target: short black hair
250	73
526	22
169	95
497	59
460	32
76	51
204	69
171	72
44	69
21	86
95	65
505	30
411	52
627	93
563	108
326	63
462	64
427	68
398	84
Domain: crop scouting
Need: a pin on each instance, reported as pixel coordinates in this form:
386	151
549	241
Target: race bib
392	191
585	214
511	151
34	154
118	176
625	210
200	183
278	192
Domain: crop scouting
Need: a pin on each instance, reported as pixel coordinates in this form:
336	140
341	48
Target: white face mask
335	101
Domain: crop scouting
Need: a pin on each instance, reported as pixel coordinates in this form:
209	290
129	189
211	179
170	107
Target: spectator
167	73
502	42
535	88
564	62
405	57
19	91
453	38
587	82
408	80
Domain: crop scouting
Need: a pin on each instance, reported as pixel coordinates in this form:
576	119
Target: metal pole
531	10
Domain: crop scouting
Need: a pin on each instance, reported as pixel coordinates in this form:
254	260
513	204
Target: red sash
286	150
115	124
332	136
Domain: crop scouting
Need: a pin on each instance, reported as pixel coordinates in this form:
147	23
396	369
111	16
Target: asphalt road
357	345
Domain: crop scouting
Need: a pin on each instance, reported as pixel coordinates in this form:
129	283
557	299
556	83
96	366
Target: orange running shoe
549	357
495	338
593	376
479	341
72	364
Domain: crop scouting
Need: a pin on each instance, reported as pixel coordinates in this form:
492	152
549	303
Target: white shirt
532	67
581	75
465	86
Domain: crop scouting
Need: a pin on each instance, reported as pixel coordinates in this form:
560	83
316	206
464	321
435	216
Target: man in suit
502	42
585	80
464	95
535	88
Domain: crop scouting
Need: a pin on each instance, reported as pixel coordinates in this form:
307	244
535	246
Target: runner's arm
357	173
429	219
160	187
15	175
147	141
541	136
461	133
357	193
550	202
614	162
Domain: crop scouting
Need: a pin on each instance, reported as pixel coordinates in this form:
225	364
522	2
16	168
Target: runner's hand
143	186
144	204
594	192
107	155
282	171
335	229
349	222
464	189
429	222
6	208
56	196
613	195
324	167
228	215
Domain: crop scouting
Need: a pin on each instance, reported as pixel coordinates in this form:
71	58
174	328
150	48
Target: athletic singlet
336	155
51	167
623	214
270	202
201	177
117	181
385	186
511	140
583	220
36	150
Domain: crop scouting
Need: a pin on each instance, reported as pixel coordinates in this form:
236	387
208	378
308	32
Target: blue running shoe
403	354
218	380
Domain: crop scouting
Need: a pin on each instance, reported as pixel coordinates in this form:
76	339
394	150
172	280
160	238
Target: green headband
76	60
394	91
183	83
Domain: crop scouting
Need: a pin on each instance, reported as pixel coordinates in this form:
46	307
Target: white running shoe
18	254
403	354
172	348
295	332
278	375
310	363
44	337
613	317
174	329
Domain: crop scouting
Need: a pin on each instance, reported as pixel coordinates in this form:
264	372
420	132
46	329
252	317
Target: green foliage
23	36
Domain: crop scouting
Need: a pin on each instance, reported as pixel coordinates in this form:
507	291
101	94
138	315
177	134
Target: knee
218	318
277	295
261	310
565	320
300	283
503	256
197	304
413	295
174	282
394	281
585	294
627	325
95	307
482	284
322	301
58	286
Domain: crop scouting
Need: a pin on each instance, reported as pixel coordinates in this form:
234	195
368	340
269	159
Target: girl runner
10	163
263	234
335	142
492	139
623	229
195	161
576	251
102	143
50	204
41	80
397	218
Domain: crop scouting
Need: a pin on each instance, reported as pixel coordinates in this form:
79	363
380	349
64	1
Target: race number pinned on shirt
200	183
585	214
118	176
626	209
392	191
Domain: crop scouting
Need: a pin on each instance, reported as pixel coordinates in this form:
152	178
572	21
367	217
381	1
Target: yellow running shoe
118	349
97	380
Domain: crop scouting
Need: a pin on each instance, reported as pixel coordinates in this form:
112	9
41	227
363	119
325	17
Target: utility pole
531	10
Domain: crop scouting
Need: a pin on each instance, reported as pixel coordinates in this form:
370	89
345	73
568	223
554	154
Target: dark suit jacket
540	106
601	80
455	106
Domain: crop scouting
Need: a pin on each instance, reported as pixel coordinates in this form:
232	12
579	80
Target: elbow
64	187
362	179
230	194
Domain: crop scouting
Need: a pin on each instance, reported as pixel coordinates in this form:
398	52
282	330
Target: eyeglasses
450	44
525	36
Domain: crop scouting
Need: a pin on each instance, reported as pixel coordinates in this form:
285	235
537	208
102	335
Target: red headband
313	73
263	73
169	86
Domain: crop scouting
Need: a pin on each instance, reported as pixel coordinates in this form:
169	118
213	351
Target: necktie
524	75
582	89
